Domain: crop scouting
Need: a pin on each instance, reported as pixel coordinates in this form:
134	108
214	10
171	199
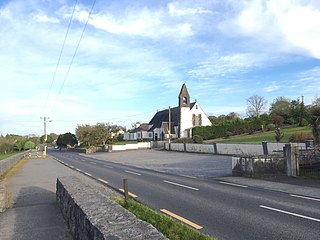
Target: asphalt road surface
217	208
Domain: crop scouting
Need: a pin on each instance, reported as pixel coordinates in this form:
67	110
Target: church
176	122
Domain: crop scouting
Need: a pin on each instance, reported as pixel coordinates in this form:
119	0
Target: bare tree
255	105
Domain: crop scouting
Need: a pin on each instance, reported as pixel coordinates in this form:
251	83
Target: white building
182	119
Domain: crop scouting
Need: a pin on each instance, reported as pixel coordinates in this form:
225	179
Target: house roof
142	127
163	116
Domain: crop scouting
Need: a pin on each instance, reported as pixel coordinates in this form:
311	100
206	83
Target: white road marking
290	213
181	185
309	198
107	166
233	184
133	173
93	163
188	176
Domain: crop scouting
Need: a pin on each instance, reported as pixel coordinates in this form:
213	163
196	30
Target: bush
300	137
197	139
303	123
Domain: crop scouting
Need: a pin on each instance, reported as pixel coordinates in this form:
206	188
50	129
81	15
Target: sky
83	62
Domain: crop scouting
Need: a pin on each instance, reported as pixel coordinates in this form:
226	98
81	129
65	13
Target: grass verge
15	168
164	224
265	136
6	155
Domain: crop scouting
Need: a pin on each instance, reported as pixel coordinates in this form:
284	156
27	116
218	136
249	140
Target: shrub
197	139
303	123
300	137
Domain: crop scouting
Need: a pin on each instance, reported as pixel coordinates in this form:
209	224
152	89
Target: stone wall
9	162
90	214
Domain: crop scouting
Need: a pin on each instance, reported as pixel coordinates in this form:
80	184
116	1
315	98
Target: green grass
6	155
164	224
265	136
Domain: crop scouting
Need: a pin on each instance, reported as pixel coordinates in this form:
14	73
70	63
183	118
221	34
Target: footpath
33	212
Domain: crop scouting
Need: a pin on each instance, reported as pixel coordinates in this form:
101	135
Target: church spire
184	98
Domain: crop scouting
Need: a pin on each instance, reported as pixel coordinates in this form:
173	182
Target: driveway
189	164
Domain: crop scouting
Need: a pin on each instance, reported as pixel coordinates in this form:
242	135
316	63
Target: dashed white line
304	197
93	163
107	166
181	185
188	176
233	184
133	173
290	213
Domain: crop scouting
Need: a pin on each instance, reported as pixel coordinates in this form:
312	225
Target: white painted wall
186	121
198	110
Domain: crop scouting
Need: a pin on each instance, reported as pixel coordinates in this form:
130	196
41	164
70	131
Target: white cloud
45	19
218	65
271	88
137	22
288	26
176	11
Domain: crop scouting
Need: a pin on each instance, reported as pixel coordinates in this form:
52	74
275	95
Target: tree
255	105
66	139
84	134
315	123
280	107
29	145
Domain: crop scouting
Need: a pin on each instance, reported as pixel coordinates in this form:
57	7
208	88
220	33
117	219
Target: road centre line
181	185
133	173
290	213
92	162
107	166
194	225
182	175
130	194
309	198
233	184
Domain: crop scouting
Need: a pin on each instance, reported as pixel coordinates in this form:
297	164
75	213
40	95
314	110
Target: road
214	207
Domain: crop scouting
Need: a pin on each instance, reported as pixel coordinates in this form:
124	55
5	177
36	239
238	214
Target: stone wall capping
91	214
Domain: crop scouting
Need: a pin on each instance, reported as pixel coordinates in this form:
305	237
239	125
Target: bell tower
184	109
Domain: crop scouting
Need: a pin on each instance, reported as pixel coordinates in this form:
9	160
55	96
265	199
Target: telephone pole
45	120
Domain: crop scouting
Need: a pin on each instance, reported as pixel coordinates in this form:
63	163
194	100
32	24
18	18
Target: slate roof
142	127
163	116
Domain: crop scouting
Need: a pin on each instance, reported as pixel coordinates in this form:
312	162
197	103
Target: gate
309	162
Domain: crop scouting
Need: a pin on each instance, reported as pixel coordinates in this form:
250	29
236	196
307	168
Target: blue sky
135	55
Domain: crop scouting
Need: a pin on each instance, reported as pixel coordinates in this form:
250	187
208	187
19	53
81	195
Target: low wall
90	214
136	146
229	148
258	166
9	162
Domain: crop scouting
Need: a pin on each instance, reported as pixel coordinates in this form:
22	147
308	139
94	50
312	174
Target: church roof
163	116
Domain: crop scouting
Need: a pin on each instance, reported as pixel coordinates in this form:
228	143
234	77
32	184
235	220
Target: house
176	122
140	132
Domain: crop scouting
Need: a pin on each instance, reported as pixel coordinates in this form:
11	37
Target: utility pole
45	120
169	127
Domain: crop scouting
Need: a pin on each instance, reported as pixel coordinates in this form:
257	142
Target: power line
61	51
76	50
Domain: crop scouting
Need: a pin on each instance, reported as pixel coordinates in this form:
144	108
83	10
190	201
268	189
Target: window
196	106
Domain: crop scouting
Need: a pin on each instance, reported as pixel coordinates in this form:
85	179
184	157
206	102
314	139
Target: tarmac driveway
190	164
